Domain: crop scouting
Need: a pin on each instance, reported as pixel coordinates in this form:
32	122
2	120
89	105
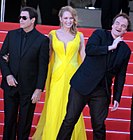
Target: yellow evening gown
63	64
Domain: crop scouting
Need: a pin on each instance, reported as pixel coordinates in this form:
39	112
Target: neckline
65	44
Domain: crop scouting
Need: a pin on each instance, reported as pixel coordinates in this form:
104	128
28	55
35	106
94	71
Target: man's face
119	27
25	22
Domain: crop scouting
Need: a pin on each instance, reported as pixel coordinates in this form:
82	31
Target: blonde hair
73	29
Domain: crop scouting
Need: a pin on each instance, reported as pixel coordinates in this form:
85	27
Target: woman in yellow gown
66	44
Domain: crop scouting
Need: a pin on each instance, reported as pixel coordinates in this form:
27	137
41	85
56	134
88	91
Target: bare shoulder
81	35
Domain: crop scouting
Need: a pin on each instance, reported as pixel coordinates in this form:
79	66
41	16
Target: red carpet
117	123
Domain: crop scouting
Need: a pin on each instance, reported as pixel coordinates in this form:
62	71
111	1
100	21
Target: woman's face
67	20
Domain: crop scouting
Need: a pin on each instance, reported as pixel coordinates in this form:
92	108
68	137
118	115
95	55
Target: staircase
117	123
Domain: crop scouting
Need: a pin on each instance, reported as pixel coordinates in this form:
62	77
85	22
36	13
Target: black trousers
109	9
98	104
45	9
12	10
18	111
131	124
125	6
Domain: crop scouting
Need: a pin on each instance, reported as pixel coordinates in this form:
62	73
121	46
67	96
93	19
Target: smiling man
24	61
107	57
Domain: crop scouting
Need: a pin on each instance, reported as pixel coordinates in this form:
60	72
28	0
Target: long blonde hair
73	29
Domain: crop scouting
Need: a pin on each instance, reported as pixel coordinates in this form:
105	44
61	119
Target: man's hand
11	81
6	57
115	106
115	43
36	96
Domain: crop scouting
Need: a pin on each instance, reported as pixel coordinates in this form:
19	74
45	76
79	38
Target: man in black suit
24	72
107	57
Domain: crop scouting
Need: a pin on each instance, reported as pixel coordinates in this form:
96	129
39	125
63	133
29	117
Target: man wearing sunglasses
24	61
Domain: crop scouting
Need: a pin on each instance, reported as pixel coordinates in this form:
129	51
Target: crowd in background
49	9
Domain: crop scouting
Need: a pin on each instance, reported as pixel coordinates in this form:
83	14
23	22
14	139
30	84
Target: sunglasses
23	17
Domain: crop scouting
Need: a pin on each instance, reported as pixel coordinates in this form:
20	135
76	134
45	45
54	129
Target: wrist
110	48
40	90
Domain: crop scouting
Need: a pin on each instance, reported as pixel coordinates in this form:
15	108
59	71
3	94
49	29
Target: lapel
30	41
18	42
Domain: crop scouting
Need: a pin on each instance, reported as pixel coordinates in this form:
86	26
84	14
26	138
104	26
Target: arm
119	83
3	52
43	60
95	45
120	80
82	47
50	45
6	73
42	72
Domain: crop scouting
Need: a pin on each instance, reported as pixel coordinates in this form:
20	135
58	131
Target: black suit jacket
94	68
30	67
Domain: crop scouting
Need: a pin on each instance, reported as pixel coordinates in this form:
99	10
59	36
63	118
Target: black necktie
23	43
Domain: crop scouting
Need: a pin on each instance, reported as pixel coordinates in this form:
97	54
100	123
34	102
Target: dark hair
32	13
124	15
